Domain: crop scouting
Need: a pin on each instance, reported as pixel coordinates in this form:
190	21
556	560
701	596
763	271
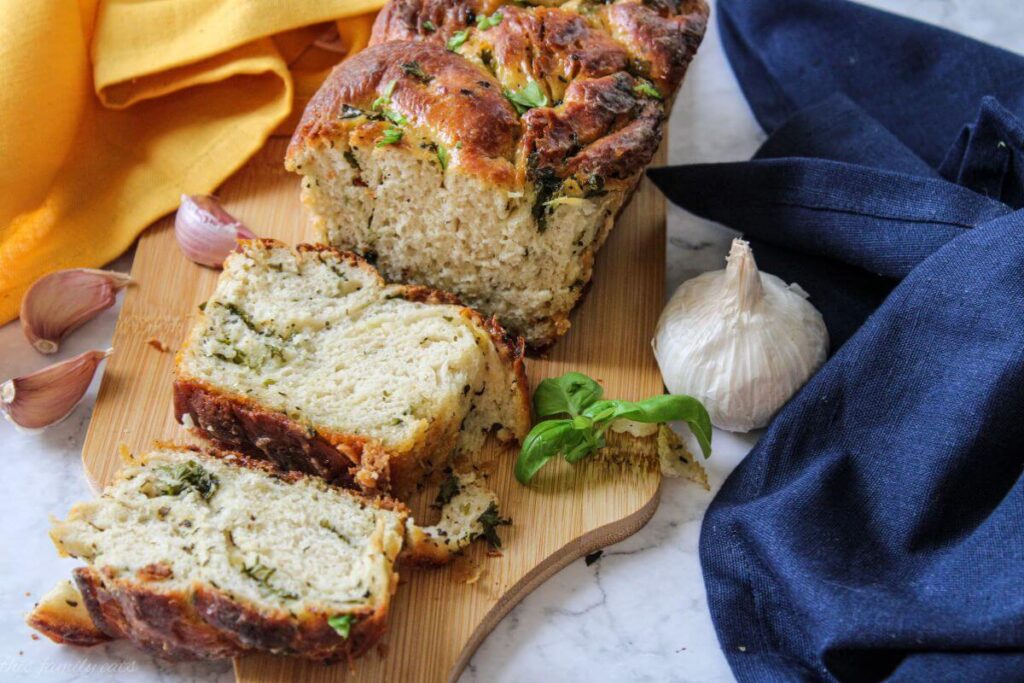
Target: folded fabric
112	109
875	531
921	82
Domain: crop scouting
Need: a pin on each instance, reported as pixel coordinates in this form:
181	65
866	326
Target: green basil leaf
591	442
665	408
545	441
570	393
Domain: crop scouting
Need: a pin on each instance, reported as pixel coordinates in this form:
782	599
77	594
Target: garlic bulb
58	303
47	396
740	341
206	232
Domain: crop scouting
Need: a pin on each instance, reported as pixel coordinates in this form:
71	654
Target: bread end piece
209	581
61	615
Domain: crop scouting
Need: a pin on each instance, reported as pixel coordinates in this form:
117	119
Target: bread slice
485	148
308	358
201	554
61	616
469	511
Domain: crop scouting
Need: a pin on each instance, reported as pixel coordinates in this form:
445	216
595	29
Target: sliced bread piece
308	358
205	554
469	511
61	616
485	147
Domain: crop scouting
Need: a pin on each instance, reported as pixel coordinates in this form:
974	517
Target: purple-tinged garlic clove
47	396
58	303
206	232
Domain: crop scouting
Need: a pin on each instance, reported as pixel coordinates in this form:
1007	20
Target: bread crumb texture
308	358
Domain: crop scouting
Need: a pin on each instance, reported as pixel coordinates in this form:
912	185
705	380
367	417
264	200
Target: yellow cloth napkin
111	109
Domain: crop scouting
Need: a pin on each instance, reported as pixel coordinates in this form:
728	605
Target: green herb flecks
442	156
484	22
491	520
262	574
416	71
647	89
395	117
324	524
547	184
527	97
390	137
173	480
457	40
450	488
428	26
588	417
342	624
350	112
385	99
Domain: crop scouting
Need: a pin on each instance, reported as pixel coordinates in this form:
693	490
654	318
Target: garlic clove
205	231
47	396
58	303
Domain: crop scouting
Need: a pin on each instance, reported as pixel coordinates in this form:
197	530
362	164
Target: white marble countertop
637	614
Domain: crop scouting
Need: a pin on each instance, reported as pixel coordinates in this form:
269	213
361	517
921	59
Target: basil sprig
588	417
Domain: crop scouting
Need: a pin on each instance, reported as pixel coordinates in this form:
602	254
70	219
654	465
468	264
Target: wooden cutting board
438	619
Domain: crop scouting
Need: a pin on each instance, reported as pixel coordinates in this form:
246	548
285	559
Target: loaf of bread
201	554
307	358
486	148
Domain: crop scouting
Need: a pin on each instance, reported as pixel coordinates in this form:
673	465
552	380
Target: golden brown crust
661	35
206	623
163	624
309	636
237	422
62	616
613	130
459	105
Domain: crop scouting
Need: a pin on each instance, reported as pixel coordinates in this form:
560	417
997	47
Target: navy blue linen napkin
876	531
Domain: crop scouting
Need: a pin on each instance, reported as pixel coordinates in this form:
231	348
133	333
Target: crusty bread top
592	61
654	39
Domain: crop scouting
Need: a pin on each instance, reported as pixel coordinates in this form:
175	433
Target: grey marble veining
639	613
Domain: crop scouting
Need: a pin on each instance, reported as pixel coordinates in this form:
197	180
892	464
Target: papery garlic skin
45	397
206	232
741	341
58	303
